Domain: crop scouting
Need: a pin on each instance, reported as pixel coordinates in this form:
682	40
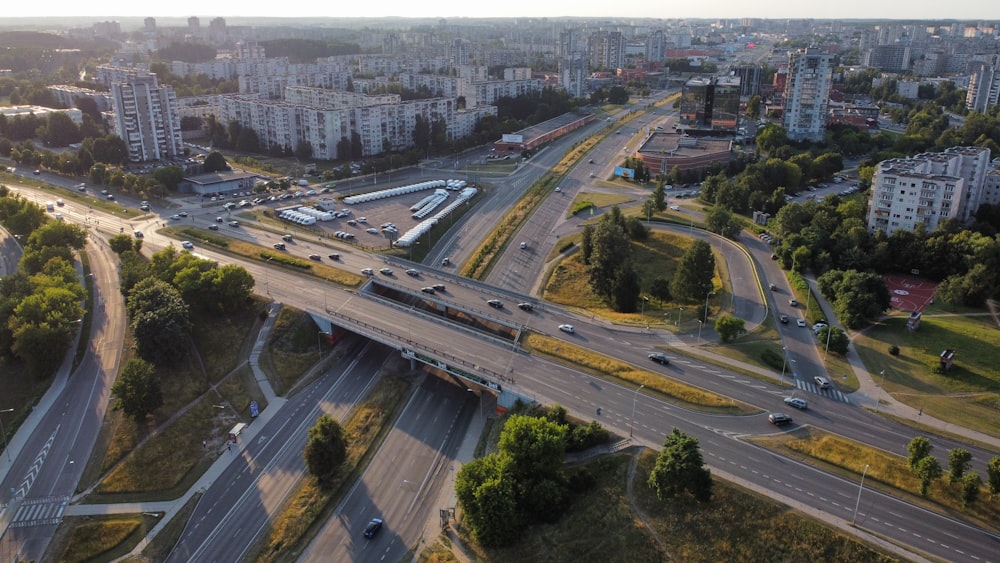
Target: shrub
772	359
894	350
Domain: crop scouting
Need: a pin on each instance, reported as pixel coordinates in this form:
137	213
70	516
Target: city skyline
973	10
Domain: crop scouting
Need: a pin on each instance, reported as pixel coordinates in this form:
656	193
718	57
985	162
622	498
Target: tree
679	468
169	176
137	389
160	321
659	197
919	448
693	278
587	243
617	95
611	250
993	475
215	162
535	445
959	461
660	289
721	220
326	450
488	500
837	338
729	327
625	289
928	470
123	242
970	487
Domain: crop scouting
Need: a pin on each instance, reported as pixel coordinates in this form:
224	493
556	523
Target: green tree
625	289
660	289
123	242
679	468
970	487
325	450
137	389
659	197
729	327
535	445
169	176
488	500
693	278
856	296
836	337
918	448
959	461
611	250
721	220
587	243
160	321
928	470
993	475
215	162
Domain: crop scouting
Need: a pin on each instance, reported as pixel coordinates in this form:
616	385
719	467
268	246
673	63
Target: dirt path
633	464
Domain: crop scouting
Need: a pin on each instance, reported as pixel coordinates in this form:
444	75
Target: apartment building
146	118
807	93
711	103
67	95
928	188
984	87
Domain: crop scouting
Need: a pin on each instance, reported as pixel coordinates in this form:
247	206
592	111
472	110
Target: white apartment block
67	95
219	69
11	112
517	73
111	73
465	121
984	87
335	99
146	118
273	85
487	93
807	94
927	189
439	85
573	75
198	106
991	187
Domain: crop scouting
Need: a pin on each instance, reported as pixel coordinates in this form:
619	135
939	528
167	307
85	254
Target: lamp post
631	422
642	311
860	487
784	363
710	293
879	398
679	311
701	323
6	448
319	345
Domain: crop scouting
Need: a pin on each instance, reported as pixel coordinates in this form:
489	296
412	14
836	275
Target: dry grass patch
239	389
597	364
224	340
438	552
100	538
163	542
849	458
291	350
583	200
309	503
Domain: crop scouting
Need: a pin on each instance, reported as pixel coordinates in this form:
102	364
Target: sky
967	10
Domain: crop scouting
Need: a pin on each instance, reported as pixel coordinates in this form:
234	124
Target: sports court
909	293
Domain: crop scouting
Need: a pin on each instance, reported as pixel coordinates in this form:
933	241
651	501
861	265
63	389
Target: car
659	358
525	306
800	322
372	230
219	220
495	303
819	326
427	290
774	257
37	172
412	272
675	207
373	527
144	207
567	328
362	219
315	257
311	192
188	245
279	246
772	287
175	217
779	418
81	188
286	238
352	222
138	234
793	302
104	192
110	197
783	319
592	175
523	245
334	256
446	261
823	382
234	223
213	227
438	287
368	272
558	189
386	271
183	214
591	161
796	402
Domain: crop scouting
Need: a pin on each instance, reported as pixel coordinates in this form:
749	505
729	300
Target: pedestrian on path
204	443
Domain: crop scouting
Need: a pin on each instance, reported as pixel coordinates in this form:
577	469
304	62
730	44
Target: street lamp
319	345
642	312
6	447
679	311
701	323
858	503
710	293
631	422
879	398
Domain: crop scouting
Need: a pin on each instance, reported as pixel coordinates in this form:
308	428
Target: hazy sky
968	10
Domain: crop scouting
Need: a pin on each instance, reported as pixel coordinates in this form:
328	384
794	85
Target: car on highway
558	189
37	172
373	527
183	214
675	207
234	223
592	175
567	328
793	302
412	273
371	230
220	220
368	272
315	257
495	303
525	306
796	402
779	418
438	287
279	246
822	382
800	322
427	290
138	234
386	271
659	357
334	256
175	217
188	245
818	327
362	219
523	245
783	319
772	287
286	238
213	227
446	261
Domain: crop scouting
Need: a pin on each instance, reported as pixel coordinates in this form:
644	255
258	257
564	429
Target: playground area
909	293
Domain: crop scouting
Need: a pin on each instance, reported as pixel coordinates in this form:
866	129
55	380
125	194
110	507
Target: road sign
254	409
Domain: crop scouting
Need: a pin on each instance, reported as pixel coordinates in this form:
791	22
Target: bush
772	359
582	437
894	350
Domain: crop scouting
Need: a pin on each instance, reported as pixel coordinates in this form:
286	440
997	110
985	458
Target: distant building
711	103
984	87
218	182
146	117
807	93
662	152
11	112
890	58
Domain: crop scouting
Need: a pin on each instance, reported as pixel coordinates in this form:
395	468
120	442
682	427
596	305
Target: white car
368	272
567	328
796	402
800	322
823	382
188	245
675	207
818	327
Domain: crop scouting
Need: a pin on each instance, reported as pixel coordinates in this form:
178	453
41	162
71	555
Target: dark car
138	234
373	527
779	419
316	257
438	287
213	227
427	290
525	306
659	358
495	303
412	272
277	245
37	172
783	319
334	256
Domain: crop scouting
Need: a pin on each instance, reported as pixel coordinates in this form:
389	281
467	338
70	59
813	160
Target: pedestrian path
831	393
39	512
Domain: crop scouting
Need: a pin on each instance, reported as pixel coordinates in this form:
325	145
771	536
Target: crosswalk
830	393
39	512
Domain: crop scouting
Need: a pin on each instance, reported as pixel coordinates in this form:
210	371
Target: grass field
586	200
292	349
968	395
98	539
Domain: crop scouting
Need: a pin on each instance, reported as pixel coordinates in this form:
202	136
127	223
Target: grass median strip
886	471
599	365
